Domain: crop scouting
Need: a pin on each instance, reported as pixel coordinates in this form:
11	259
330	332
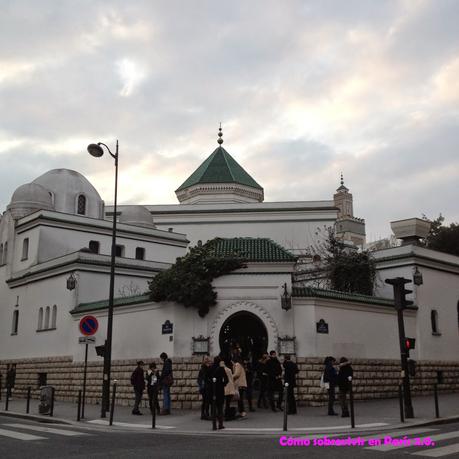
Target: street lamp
97	151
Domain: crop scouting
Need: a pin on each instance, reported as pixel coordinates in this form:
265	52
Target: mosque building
55	242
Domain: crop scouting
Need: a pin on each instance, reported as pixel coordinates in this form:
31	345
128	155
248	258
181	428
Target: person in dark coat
290	372
330	378
166	380
205	387
345	375
138	382
10	379
221	380
152	378
249	375
263	378
274	371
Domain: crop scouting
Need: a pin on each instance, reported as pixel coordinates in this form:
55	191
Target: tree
189	280
346	268
443	238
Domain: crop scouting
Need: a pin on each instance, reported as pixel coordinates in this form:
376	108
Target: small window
434	322
81	205
14	328
47	314
94	246
25	249
1	254
40	319
54	317
42	379
119	251
5	253
140	253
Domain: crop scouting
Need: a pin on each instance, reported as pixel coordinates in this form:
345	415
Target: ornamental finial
342	179
220	135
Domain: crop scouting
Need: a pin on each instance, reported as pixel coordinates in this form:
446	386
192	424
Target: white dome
138	216
66	187
29	198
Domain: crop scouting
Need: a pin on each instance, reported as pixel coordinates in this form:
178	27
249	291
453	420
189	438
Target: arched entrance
247	330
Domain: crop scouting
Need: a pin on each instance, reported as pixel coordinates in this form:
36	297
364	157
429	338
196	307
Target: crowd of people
230	380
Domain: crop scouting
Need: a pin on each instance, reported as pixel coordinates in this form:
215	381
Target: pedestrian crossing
31	432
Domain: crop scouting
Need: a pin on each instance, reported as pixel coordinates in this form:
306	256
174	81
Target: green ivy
189	280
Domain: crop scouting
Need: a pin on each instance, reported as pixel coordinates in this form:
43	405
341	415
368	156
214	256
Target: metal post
400	399
153	407
51	411
108	341
85	370
28	400
404	358
1	377
351	402
7	398
79	406
214	403
112	408
437	410
285	406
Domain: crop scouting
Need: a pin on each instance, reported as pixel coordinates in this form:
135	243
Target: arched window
53	317
47	313
25	249
1	254
14	328
40	319
434	321
5	253
81	205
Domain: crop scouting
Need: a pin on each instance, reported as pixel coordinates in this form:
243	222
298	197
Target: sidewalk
376	415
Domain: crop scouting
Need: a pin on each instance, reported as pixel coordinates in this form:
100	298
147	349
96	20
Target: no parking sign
88	325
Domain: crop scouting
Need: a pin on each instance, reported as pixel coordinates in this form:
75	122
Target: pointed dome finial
342	179
220	135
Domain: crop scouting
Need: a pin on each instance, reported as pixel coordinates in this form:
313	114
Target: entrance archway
247	330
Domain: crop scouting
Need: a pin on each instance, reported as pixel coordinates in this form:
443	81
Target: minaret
348	227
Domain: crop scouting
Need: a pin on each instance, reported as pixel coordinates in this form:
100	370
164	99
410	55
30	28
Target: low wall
373	379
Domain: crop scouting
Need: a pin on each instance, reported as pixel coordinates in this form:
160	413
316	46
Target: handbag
236	396
168	380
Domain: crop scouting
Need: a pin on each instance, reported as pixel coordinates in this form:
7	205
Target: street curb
33	417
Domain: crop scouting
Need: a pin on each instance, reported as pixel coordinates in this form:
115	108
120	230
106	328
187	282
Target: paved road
25	439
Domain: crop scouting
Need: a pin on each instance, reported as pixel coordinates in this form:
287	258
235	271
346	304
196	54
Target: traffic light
400	292
410	343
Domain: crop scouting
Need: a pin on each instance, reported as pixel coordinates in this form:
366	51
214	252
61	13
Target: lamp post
97	151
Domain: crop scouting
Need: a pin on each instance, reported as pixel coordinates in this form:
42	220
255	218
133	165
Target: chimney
410	230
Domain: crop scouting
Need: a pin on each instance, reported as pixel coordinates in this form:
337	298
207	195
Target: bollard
214	404
51	411
112	407
285	406
28	400
400	399
1	376
7	398
437	410
79	406
153	407
351	402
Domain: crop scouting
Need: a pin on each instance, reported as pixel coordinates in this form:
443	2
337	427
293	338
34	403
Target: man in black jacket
138	382
221	380
166	382
344	383
330	378
274	371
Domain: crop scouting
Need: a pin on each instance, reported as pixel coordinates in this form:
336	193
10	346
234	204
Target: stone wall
373	379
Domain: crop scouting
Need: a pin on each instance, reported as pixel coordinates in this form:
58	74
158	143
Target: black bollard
285	406
153	407
400	399
437	410
79	406
7	398
112	407
214	403
51	411
28	400
351	402
1	376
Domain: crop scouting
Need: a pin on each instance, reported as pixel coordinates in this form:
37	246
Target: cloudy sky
304	90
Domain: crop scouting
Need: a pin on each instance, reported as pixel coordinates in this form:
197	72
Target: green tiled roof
337	295
103	304
253	249
220	167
